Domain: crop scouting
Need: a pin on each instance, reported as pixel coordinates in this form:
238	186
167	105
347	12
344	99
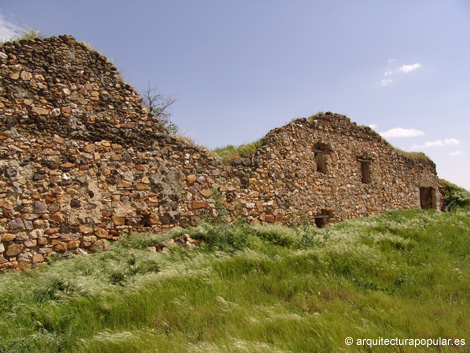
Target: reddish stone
101	233
60	247
37	258
270	218
51	231
191	179
118	221
199	204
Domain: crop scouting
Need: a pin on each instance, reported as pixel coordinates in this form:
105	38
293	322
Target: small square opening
323	218
320	222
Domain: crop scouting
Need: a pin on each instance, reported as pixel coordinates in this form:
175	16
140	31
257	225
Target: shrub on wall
454	196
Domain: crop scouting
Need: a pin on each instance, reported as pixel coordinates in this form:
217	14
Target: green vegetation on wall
26	34
454	196
230	152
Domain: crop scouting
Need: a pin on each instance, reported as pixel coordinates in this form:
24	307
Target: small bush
454	196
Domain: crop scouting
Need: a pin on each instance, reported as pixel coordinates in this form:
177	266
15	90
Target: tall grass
27	33
250	288
230	152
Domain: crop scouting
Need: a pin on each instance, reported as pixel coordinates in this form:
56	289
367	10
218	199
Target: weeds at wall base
404	273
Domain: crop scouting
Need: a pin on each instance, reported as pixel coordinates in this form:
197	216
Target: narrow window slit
365	170
320	161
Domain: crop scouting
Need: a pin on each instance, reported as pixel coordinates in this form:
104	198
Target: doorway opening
427	198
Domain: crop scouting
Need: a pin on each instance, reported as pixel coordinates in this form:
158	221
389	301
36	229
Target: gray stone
101	244
40	207
10	172
16	224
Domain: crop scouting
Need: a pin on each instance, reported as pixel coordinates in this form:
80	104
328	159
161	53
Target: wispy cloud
386	81
409	68
7	29
456	153
401	132
437	143
392	70
373	126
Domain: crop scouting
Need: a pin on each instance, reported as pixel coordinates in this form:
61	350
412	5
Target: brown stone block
206	193
37	258
42	241
191	179
151	219
40	111
124	184
14	75
114	233
22	265
51	231
8	237
199	204
270	218
60	247
58	139
142	186
30	243
101	233
14	249
58	217
118	221
86	229
73	244
89	148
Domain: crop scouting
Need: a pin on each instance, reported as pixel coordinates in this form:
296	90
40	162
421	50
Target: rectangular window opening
320	161
365	171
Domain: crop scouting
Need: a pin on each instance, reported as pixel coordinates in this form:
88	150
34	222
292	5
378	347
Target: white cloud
7	29
373	126
438	143
400	132
409	68
392	70
456	153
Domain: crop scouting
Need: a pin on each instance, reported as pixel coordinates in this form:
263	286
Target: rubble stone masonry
82	163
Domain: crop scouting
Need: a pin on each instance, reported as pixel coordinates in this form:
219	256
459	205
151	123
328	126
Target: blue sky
241	68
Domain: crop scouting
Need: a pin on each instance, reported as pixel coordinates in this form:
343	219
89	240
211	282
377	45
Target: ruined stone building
81	162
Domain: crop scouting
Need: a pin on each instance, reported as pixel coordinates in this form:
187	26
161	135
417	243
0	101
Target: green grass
230	152
27	34
412	155
250	288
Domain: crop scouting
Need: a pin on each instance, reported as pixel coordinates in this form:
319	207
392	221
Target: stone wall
82	163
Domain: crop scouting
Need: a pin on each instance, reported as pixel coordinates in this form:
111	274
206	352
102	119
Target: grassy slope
252	289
